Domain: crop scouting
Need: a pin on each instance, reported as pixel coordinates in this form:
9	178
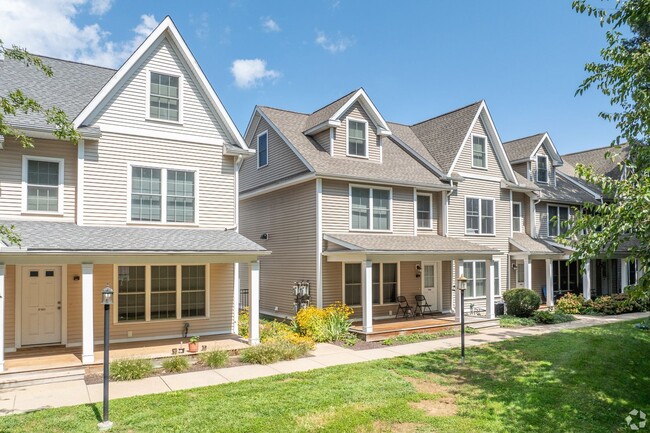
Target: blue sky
416	59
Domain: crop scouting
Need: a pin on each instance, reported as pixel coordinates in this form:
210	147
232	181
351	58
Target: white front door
41	305
521	278
431	285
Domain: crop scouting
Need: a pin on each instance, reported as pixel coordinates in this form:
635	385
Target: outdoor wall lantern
418	271
462	285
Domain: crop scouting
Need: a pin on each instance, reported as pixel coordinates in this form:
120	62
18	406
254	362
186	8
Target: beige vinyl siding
436	202
289	217
127	107
356	112
332	282
551	169
220	321
538	276
282	161
10	307
75	313
520	197
336	207
107	172
521	168
323	139
464	163
447	285
11	176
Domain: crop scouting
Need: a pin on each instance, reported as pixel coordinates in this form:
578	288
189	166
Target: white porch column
2	316
528	273
550	299
625	276
586	281
454	283
254	303
235	300
88	337
366	294
489	301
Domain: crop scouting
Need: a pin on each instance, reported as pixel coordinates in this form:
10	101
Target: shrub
324	325
570	304
310	322
521	302
274	351
548	317
611	305
214	358
130	369
508	321
176	364
243	323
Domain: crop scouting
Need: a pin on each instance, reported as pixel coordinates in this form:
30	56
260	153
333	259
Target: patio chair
422	305
404	307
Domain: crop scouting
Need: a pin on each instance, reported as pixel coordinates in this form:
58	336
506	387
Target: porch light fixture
462	286
418	271
107	301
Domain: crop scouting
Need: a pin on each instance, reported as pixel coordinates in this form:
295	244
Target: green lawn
576	381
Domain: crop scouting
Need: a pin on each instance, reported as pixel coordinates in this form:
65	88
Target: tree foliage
18	102
622	221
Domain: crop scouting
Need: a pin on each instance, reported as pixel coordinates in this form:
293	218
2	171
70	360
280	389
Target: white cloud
48	27
334	46
201	25
251	72
100	7
269	25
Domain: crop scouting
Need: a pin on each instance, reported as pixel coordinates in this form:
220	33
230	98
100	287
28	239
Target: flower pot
193	347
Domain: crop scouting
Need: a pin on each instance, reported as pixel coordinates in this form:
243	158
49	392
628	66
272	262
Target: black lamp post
107	301
462	285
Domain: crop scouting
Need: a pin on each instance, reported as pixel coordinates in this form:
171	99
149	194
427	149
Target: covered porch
169	285
424	267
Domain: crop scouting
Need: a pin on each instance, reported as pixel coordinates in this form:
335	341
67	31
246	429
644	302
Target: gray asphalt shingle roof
522	148
397	166
429	244
71	88
596	159
69	237
565	192
322	114
525	243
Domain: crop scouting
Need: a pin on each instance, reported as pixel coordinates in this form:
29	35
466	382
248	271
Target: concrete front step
38	377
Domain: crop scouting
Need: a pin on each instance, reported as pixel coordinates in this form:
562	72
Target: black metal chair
422	305
404	307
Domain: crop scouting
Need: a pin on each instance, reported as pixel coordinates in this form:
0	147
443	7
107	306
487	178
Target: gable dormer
543	162
350	127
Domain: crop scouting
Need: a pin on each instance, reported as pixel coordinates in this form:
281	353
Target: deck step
38	377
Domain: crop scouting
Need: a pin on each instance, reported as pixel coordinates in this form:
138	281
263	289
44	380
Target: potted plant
193	346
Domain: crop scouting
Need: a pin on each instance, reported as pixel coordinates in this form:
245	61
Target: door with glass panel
41	305
430	284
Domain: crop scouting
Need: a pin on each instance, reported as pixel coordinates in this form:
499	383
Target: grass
515	322
416	338
584	380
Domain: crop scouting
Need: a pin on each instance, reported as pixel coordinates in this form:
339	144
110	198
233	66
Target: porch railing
243	298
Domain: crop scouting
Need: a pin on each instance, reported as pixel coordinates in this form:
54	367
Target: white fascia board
502	157
555	155
323	126
369	106
167	25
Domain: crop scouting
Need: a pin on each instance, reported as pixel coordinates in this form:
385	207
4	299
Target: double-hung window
479	151
263	149
154	190
557	220
44	184
164	97
352	289
357	143
479	216
424	211
477	283
172	292
384	283
370	208
517	217
542	169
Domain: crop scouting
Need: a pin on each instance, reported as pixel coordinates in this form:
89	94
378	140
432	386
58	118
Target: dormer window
357	138
542	169
164	97
263	149
479	151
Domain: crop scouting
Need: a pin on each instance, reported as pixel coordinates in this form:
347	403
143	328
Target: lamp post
462	285
107	301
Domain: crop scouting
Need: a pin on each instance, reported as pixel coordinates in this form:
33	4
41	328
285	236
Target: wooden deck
51	357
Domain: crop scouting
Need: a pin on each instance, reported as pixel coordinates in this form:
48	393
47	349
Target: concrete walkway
71	393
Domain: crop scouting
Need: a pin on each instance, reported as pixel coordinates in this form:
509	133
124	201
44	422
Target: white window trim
472	151
148	117
381	282
496	263
370	223
480	216
347	137
258	149
61	192
548	218
472	289
147	294
521	218
417	219
163	204
548	174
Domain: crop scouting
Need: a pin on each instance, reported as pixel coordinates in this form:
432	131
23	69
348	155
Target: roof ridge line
523	138
72	61
445	114
334	101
